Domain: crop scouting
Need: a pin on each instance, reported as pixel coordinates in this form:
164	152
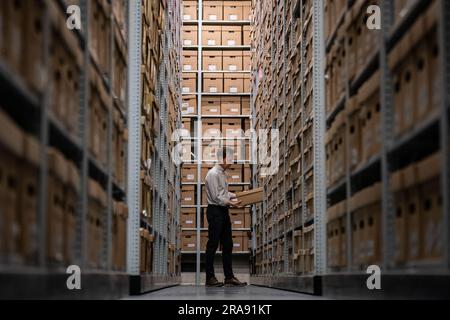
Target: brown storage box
186	151
70	218
247	84
189	83
211	128
232	128
235	174
237	241
237	218
190	10
190	35
246	30
231	106
188	218
249	197
247	173
188	195
210	106
209	151
212	60
233	83
246	106
232	10
213	82
186	125
247	60
211	36
213	10
232	60
189	241
203	240
189	105
246	10
231	36
189	173
190	60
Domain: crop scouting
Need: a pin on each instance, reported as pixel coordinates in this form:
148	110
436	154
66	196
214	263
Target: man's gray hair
224	152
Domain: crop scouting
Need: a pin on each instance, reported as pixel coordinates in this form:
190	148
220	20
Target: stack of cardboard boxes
354	135
224	108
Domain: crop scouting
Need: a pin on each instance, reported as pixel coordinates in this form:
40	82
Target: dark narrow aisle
224	293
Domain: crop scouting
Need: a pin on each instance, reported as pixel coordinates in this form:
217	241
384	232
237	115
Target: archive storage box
71	193
97	206
119	226
237	217
232	60
99	35
232	128
190	60
28	203
55	203
233	10
11	150
213	82
245	106
210	106
211	128
247	84
231	106
246	32
190	10
235	174
213	10
189	83
188	218
231	36
397	189
119	139
190	35
212	36
212	60
189	241
247	60
188	195
189	105
233	83
189	173
354	133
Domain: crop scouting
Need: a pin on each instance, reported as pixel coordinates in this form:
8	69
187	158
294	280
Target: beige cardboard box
186	154
210	106
189	83
211	128
213	82
234	83
247	173
245	106
203	240
246	10
213	10
189	105
190	60
237	241
247	83
189	173
235	174
190	35
237	219
212	36
189	10
186	124
230	106
209	151
231	36
247	40
188	218
188	195
232	127
189	241
247	60
249	197
212	60
232	60
232	10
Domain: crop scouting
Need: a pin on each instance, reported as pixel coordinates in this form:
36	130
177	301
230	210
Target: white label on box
187	67
232	68
185	104
236	245
188	199
211	42
238	222
232	17
191	245
187	17
190	110
212	67
212	17
234	110
233	90
186	90
231	42
190	177
213	89
189	222
187	42
235	177
212	110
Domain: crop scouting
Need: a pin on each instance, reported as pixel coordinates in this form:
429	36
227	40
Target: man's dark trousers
219	230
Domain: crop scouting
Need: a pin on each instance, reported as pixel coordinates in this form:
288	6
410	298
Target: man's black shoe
213	282
233	282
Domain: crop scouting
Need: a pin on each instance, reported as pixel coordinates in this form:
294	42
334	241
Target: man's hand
235	203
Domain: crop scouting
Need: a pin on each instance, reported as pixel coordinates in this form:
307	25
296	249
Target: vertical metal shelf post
319	138
134	146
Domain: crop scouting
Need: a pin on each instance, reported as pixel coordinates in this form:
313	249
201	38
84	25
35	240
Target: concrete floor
189	292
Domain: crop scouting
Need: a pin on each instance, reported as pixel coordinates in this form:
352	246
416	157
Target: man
219	223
